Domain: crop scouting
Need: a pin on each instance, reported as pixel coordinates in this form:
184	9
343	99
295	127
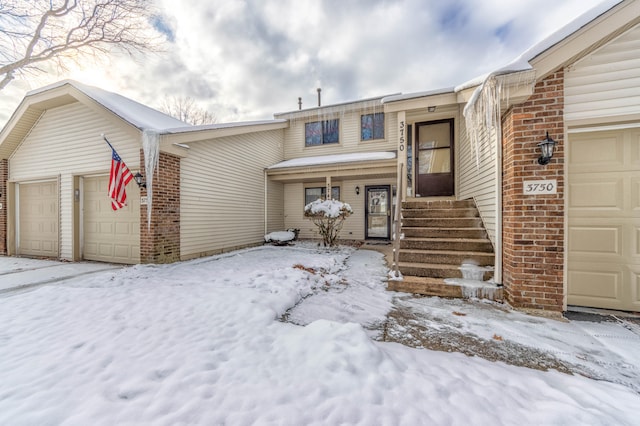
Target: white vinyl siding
605	83
65	142
275	206
354	225
477	179
294	136
222	203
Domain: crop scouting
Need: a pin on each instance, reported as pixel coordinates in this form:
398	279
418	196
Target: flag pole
107	141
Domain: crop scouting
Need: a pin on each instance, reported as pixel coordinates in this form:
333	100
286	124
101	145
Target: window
322	132
372	126
312	194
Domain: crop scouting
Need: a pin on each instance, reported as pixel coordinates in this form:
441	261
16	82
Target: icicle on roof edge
151	149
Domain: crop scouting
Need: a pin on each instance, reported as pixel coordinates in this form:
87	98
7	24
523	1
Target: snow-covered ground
203	342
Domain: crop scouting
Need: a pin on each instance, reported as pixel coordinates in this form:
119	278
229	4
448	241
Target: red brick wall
533	225
160	243
4	175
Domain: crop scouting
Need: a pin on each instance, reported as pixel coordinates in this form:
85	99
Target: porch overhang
369	165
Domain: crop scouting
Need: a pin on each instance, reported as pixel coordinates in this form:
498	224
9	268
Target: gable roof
134	113
66	92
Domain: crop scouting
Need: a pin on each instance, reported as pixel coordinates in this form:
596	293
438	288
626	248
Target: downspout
266	198
497	274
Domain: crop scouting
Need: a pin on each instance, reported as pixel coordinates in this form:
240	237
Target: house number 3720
536	187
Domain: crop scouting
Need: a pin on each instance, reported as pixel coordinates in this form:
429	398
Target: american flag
119	177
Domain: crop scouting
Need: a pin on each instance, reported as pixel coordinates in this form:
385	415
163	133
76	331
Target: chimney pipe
299	103
319	90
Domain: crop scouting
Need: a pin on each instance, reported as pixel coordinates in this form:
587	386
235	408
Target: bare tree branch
186	109
33	32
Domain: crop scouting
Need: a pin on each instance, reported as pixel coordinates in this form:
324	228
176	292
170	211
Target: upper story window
322	132
372	126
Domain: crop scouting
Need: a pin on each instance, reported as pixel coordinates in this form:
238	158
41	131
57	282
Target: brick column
533	225
4	176
160	243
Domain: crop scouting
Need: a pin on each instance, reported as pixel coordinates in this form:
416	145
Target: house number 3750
536	187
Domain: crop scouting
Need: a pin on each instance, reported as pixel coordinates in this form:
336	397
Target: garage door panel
106	250
635	286
597	285
605	194
122	251
106	228
634	136
599	281
110	236
635	196
123	228
598	150
595	240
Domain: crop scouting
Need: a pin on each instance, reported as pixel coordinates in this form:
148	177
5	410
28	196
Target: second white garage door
604	219
110	236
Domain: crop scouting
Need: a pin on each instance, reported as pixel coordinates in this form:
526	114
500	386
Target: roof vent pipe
299	103
319	90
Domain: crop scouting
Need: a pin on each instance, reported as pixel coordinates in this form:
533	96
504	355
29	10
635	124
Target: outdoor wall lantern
546	147
139	180
357	190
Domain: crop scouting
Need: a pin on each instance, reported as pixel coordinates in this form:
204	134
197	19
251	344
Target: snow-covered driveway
200	343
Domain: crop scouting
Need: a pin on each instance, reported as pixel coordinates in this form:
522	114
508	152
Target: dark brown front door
434	158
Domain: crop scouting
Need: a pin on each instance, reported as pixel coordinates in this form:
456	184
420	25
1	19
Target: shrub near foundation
328	216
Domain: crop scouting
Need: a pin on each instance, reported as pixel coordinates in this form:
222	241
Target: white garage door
38	219
604	219
110	236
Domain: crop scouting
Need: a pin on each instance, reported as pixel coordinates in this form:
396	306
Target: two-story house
465	163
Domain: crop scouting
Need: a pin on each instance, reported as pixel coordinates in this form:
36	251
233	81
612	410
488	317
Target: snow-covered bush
328	216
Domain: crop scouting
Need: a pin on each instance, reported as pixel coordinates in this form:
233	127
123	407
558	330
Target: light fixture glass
546	148
139	180
357	190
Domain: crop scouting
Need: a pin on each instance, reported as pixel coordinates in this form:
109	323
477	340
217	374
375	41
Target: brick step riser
446	245
440	213
444	233
441	204
446	258
417	271
442	223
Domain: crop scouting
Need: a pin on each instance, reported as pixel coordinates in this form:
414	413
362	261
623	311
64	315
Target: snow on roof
358	103
337	158
216	126
403	97
139	115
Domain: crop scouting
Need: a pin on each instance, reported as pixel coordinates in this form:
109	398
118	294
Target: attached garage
107	235
38	219
604	219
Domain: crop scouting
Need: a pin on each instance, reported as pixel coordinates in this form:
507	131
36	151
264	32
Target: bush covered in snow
328	216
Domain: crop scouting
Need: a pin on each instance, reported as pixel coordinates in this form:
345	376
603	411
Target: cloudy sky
247	59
